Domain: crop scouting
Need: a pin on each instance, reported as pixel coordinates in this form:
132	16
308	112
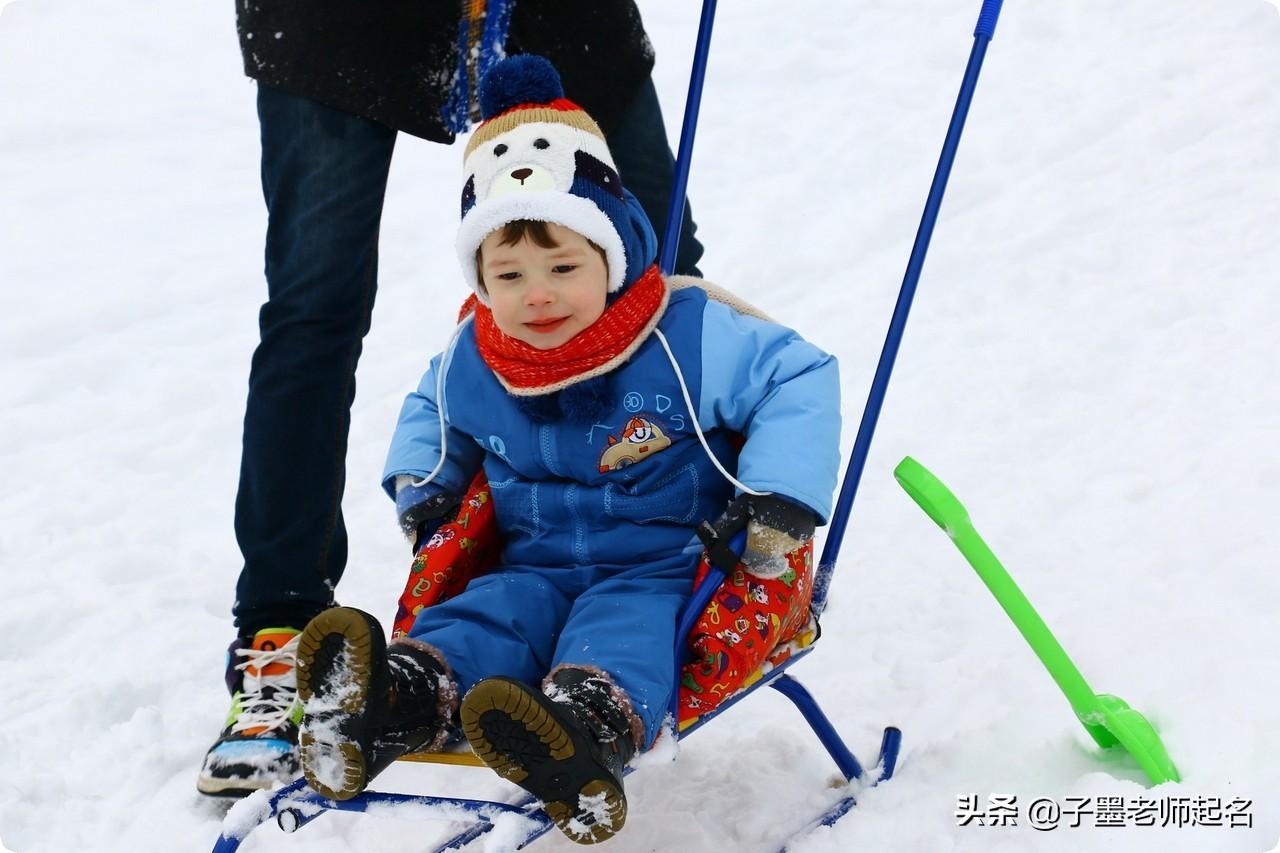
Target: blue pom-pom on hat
524	79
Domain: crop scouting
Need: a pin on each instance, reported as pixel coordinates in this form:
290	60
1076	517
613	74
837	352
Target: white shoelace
261	707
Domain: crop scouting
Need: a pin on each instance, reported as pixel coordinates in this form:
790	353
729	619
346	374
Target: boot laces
267	700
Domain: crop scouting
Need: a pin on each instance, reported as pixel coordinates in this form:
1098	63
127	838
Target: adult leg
647	168
324	176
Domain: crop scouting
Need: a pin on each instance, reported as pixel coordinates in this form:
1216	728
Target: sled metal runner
295	805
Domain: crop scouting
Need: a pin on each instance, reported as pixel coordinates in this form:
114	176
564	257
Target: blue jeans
324	177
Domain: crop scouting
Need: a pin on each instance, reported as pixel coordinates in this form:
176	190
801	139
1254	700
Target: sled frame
295	805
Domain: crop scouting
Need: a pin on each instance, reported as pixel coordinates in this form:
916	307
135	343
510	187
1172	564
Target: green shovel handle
1108	719
949	514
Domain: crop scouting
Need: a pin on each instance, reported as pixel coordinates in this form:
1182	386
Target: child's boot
567	747
364	703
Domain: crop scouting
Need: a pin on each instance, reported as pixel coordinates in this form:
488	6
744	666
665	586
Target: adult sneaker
259	744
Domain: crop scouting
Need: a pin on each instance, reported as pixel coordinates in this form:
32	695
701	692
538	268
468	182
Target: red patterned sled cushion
460	550
749	623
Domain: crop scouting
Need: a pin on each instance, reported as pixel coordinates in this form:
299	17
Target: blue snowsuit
597	519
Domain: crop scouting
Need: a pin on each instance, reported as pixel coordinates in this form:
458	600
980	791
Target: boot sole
329	747
512	731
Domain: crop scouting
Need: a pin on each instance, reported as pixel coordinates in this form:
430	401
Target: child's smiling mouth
547	325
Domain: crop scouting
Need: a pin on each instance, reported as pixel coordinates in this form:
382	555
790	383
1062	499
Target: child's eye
564	268
508	276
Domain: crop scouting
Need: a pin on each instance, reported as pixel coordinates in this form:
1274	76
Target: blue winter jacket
632	487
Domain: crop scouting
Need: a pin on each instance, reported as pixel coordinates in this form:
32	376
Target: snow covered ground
1091	365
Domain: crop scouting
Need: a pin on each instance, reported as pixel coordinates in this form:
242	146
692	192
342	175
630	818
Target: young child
607	407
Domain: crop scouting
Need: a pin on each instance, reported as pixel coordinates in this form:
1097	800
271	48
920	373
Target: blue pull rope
983	34
675	208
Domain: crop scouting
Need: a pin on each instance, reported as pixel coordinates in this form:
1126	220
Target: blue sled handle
987	19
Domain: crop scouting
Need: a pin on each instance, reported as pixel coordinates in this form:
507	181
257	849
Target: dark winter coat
398	61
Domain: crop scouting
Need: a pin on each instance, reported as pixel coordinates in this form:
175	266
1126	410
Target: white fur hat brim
562	208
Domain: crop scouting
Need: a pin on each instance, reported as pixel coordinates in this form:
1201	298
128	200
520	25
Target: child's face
544	296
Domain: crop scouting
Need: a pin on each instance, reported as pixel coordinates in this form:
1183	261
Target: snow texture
1090	365
598	808
263	762
325	713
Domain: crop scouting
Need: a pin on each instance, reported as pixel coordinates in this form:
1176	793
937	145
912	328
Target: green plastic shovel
1108	719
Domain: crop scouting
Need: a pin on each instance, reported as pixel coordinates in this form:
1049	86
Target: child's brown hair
537	232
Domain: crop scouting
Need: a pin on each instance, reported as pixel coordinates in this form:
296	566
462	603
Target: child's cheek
503	311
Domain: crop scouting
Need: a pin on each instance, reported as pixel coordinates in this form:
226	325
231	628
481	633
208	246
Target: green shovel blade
1108	719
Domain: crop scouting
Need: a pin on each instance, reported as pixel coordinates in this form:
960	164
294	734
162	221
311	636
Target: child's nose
538	293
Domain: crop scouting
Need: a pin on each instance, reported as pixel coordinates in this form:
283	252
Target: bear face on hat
539	156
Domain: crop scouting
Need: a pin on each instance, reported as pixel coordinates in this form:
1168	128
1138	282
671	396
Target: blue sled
296	805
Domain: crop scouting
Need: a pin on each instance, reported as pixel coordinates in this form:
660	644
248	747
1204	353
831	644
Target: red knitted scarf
525	370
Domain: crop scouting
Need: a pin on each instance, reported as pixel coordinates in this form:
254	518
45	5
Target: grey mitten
775	526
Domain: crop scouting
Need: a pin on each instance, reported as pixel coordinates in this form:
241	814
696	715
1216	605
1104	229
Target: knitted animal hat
540	156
